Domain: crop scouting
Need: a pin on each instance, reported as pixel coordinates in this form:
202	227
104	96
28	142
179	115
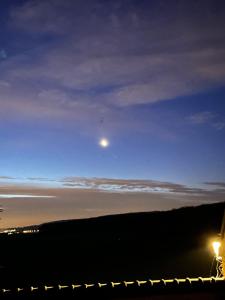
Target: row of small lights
216	246
15	231
116	284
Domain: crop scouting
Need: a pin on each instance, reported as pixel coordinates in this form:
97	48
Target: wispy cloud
41	179
129	185
4	83
109	185
219	125
3	54
215	184
120	57
7	178
202	117
118	185
206	117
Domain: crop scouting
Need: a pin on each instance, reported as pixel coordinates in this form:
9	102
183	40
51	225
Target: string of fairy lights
112	284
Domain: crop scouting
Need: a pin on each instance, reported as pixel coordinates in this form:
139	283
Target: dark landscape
136	246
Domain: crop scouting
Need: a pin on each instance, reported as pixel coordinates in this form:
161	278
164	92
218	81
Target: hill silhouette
171	244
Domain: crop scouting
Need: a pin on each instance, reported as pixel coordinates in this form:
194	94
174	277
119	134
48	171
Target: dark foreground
122	248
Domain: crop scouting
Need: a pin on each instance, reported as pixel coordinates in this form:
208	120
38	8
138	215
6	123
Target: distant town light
216	247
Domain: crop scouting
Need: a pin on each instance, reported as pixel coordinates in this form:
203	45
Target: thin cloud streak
7	177
12	196
202	117
110	185
126	185
208	118
215	184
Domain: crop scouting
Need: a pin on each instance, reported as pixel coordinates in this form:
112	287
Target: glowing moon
104	143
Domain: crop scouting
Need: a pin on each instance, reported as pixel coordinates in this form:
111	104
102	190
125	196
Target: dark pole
222	232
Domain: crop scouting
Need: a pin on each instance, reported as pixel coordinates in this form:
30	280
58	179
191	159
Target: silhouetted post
222	233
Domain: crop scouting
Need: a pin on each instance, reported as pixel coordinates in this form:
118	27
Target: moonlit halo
104	143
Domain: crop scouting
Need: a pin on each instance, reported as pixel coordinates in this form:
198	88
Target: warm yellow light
104	143
216	247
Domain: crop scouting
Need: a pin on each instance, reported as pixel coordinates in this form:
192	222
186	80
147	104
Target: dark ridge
154	245
191	220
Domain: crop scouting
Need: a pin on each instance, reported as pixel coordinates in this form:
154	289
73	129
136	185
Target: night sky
146	76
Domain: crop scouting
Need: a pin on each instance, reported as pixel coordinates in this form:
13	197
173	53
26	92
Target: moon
104	143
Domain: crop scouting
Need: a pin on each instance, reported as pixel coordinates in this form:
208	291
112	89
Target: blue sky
147	75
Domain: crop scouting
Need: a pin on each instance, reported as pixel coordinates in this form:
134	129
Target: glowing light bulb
216	247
